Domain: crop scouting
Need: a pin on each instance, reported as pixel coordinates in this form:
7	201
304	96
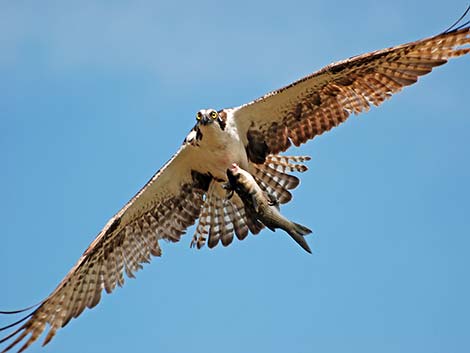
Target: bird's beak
205	120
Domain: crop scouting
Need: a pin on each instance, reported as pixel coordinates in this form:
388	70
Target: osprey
190	185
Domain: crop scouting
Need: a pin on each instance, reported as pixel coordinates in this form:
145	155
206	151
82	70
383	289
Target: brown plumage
222	217
323	100
272	176
249	135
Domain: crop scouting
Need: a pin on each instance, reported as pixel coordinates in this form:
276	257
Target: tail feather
221	218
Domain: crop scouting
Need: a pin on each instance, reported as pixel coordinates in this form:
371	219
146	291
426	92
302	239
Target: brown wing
323	100
169	203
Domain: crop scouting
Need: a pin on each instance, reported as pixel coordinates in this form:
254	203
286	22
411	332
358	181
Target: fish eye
198	116
214	114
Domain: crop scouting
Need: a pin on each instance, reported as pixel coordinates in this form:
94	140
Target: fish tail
297	232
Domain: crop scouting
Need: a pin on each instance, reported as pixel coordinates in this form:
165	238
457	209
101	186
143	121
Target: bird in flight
189	187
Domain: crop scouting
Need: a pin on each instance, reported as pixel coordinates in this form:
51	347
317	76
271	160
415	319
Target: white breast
219	149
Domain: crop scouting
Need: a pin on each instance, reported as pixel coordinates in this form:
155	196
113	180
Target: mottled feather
173	199
221	216
316	103
273	178
121	247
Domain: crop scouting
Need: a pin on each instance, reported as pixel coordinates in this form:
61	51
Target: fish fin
300	229
297	233
255	203
252	221
272	229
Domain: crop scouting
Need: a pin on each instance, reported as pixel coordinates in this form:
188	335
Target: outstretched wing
323	100
169	203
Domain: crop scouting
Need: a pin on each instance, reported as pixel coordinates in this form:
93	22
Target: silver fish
262	205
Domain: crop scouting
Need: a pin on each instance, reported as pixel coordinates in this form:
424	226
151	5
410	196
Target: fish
262	205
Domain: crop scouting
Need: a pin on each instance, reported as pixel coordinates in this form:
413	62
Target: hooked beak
205	120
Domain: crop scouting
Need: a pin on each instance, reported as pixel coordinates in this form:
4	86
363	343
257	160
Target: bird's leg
272	200
228	187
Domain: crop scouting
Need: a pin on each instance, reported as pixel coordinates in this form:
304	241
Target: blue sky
94	99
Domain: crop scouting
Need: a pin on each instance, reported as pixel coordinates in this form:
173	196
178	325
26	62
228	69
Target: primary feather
188	187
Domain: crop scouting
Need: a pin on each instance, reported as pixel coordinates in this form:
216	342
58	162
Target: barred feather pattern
290	115
221	217
273	178
323	100
117	250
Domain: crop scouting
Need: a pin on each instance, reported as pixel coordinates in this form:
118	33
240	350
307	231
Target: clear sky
95	98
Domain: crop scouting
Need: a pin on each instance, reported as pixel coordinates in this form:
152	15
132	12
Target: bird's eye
198	116
214	114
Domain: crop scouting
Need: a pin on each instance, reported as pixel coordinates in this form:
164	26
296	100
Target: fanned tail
222	217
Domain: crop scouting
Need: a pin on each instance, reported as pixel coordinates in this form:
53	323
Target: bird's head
208	116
